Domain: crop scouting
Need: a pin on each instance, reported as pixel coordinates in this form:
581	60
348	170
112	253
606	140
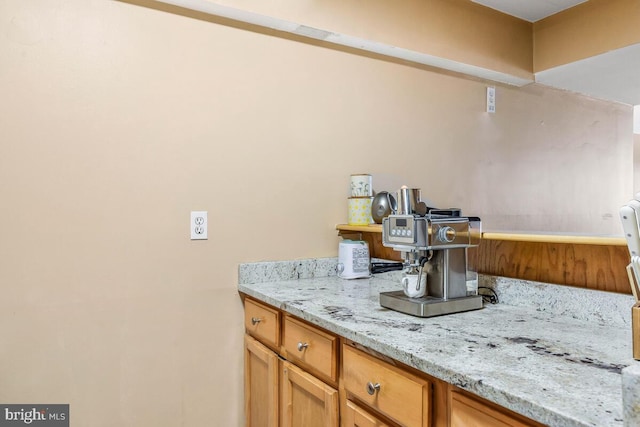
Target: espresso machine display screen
436	245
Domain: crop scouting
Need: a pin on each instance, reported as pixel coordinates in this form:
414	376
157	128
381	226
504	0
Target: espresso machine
435	242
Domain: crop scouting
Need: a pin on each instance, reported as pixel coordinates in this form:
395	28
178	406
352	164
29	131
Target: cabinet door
306	401
466	412
260	384
355	416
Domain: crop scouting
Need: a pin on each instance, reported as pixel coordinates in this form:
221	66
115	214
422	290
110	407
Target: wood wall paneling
594	263
601	267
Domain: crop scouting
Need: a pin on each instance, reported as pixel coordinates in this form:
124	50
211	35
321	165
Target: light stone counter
631	395
551	353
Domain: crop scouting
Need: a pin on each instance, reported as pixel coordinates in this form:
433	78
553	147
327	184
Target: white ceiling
530	10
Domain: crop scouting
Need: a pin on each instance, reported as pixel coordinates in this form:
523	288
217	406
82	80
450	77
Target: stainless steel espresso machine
434	243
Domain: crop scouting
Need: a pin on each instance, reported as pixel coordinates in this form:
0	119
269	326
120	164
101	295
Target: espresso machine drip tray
428	306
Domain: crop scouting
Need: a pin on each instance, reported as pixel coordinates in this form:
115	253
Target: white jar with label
353	259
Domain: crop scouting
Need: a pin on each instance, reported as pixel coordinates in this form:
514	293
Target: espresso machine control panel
421	232
402	229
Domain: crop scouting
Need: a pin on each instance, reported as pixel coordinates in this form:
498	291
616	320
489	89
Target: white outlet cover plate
491	99
198	225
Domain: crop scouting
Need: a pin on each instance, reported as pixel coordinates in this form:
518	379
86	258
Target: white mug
411	287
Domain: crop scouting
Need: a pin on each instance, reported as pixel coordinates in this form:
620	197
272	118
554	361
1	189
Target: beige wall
588	29
458	30
117	120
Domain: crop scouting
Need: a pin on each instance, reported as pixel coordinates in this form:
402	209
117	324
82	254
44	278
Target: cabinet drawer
399	395
262	322
310	347
466	411
355	416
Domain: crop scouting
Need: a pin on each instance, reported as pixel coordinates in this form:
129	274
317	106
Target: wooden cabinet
293	371
282	392
260	384
306	401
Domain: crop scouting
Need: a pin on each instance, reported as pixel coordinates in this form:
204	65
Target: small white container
361	185
353	259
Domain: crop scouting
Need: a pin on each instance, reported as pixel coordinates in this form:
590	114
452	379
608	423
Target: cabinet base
428	306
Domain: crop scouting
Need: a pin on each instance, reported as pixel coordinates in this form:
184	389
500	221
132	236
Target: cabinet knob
372	388
255	320
302	346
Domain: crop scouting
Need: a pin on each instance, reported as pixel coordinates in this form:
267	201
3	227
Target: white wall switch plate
491	99
199	228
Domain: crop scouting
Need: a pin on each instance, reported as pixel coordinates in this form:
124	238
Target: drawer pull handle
372	388
255	320
302	346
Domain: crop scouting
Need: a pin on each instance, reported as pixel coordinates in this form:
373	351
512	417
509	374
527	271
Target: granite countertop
551	353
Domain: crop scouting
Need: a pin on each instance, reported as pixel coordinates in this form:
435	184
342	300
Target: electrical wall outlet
199	229
491	99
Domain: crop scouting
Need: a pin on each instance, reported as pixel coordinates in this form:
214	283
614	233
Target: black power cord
490	298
